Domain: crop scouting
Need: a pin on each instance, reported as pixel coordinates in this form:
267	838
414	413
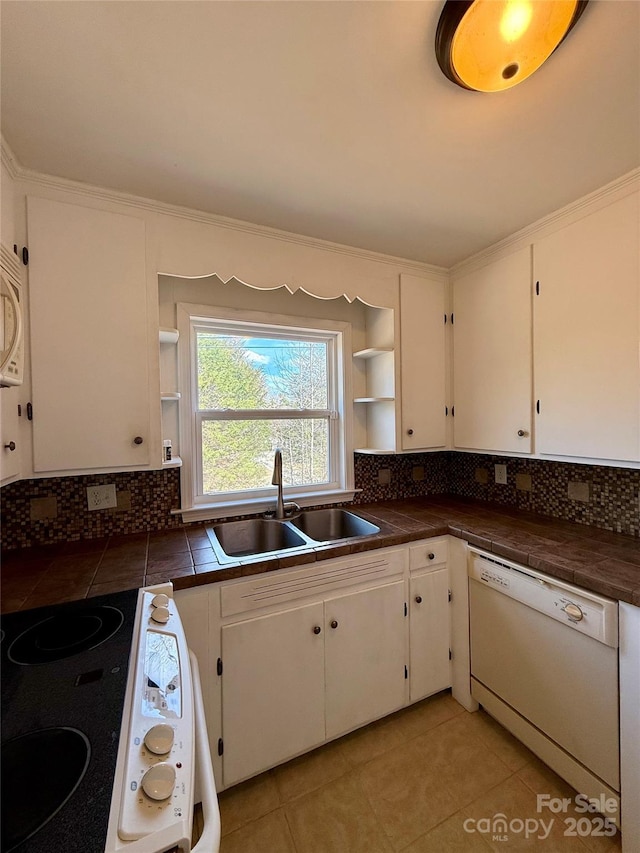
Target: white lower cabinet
272	689
429	631
364	657
311	653
429	618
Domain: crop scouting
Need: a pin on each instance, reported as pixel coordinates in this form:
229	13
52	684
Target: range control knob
160	600
159	781
159	739
160	614
573	612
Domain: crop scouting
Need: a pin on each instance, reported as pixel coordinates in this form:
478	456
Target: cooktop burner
61	721
61	636
40	771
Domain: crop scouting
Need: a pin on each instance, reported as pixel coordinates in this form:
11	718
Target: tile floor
406	783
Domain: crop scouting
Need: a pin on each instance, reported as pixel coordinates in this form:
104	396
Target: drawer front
430	552
318	579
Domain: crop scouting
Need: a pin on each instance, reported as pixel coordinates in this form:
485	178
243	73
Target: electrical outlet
101	497
501	474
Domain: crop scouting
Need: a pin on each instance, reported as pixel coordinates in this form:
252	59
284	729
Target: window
255	386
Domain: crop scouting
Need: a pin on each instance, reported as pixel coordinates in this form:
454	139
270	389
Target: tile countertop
604	562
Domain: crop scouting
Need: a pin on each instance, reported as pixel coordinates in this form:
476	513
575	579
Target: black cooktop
64	674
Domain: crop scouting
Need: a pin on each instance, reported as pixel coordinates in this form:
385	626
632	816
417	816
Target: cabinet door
89	347
492	356
365	660
422	329
9	437
587	327
429	632
272	690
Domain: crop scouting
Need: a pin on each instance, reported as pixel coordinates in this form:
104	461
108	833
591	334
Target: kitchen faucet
276	480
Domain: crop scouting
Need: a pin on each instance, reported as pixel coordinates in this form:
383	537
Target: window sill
209	512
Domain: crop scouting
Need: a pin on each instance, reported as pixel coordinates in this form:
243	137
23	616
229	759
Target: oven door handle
209	841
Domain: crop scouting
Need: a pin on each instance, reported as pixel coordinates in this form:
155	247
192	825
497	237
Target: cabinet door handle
11	446
334	624
522	433
138	439
317	629
431	555
418	599
409	432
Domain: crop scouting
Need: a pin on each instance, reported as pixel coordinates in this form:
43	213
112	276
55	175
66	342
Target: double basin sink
233	540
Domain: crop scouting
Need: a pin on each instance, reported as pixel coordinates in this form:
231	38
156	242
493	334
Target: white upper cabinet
587	332
422	353
89	338
492	362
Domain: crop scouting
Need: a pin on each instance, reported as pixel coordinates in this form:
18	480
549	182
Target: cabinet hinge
446	410
19	410
405	608
448	595
220	746
29	412
25	256
537	288
406	672
219	666
538	406
453	411
445	319
452	319
450	655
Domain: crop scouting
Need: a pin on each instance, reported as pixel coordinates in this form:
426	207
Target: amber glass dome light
491	45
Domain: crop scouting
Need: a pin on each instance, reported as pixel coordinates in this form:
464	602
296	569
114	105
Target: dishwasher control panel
590	614
494	578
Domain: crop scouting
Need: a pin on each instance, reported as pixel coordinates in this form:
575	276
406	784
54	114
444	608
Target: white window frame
197	506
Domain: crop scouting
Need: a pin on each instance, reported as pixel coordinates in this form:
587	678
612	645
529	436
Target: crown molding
9	159
624	185
621	186
20	172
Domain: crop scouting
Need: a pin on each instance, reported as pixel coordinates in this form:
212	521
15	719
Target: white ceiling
329	119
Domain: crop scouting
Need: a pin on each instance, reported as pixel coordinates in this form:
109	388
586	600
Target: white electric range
103	733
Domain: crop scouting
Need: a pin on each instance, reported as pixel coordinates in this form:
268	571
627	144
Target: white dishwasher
544	663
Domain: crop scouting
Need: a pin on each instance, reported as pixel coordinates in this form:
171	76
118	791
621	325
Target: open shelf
170	395
371	352
374	399
176	462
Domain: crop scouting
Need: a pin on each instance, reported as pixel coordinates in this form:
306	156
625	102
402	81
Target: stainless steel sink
237	539
325	525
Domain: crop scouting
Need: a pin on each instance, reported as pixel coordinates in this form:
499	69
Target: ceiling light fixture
491	45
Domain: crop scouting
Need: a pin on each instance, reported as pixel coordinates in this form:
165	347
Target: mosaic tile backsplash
587	494
38	512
